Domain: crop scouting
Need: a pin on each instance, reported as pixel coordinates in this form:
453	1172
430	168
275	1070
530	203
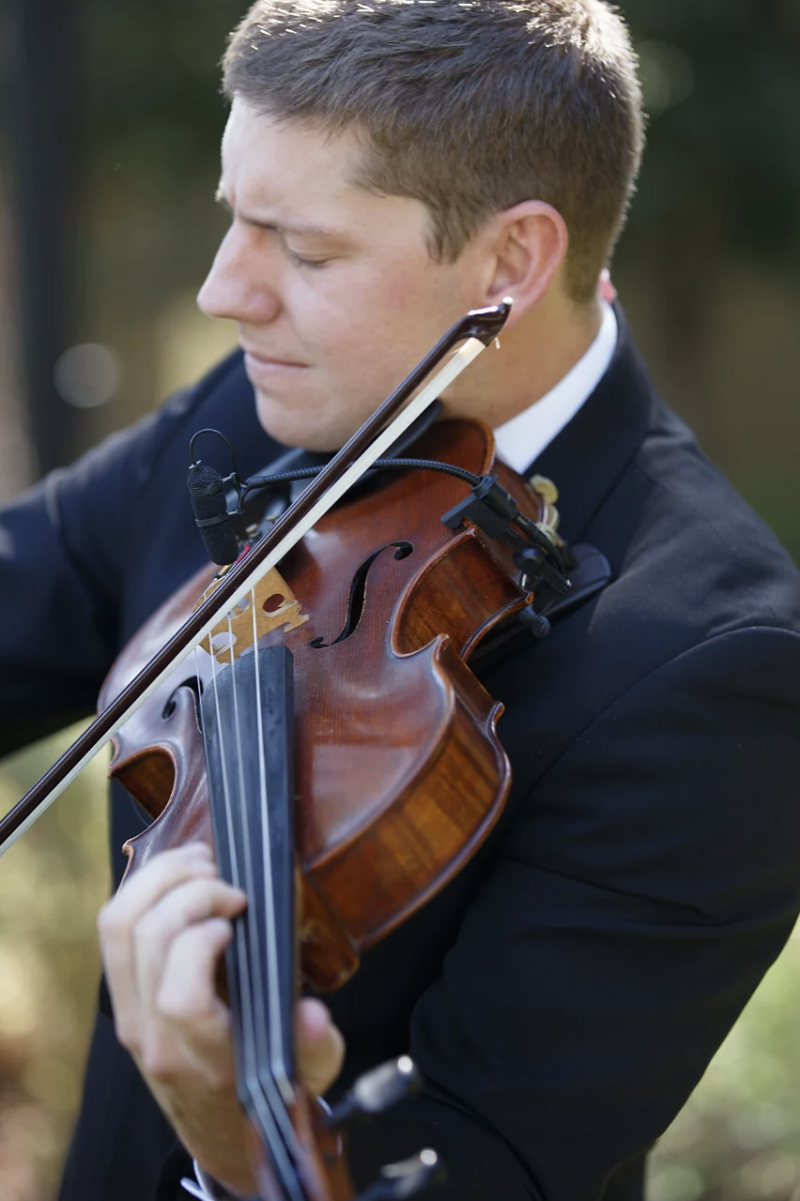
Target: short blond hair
470	106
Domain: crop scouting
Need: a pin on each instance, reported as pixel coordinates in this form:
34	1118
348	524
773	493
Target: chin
282	424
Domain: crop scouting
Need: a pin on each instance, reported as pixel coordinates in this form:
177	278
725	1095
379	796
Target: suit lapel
588	456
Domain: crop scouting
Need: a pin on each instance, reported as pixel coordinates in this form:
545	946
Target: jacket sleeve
634	903
62	559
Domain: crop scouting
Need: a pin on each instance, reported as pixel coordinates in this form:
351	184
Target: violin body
309	713
400	774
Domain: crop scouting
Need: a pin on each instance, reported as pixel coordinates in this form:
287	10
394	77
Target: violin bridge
276	607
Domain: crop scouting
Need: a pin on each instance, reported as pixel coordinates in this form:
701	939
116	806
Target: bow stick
476	330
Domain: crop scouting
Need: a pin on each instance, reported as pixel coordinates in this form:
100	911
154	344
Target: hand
161	938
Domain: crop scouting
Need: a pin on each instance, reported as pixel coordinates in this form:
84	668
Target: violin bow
477	330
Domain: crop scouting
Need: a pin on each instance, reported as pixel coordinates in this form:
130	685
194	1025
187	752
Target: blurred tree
722	171
110	111
150	89
40	120
16	468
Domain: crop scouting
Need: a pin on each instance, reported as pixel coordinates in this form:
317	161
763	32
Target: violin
327	738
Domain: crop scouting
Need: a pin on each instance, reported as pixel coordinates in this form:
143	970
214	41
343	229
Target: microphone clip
207	493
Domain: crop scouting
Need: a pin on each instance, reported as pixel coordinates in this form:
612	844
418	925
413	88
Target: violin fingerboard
247	720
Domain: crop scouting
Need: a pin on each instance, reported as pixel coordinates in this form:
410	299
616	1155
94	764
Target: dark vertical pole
41	122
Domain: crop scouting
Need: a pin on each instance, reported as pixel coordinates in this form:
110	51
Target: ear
529	244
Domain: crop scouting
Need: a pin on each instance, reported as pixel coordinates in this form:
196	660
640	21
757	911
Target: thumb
320	1046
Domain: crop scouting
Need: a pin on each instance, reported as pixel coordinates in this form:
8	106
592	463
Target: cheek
367	325
321	313
344	325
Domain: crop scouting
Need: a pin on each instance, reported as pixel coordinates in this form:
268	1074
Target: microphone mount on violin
218	501
538	552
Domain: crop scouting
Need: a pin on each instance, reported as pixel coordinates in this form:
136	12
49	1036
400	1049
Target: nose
237	287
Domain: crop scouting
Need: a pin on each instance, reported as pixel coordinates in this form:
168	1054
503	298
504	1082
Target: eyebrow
283	227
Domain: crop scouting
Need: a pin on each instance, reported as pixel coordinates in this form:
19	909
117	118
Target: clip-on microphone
212	518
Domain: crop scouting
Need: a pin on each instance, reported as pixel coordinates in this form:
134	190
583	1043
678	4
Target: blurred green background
110	121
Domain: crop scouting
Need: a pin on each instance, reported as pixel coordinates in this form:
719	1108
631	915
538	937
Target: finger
118	918
313	1019
139	892
193	1032
320	1046
190	903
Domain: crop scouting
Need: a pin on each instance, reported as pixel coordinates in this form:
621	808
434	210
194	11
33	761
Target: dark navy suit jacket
564	994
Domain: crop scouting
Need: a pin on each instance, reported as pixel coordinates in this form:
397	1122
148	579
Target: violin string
234	984
266	1058
263	1110
256	1032
235	873
265	998
275	1016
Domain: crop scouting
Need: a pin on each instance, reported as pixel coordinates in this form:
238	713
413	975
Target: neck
540	349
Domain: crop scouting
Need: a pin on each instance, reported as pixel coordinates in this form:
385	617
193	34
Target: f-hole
196	685
358	591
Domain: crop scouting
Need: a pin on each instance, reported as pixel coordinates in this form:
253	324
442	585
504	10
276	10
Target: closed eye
300	261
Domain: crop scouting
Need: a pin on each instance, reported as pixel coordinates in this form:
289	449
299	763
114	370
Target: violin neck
247	719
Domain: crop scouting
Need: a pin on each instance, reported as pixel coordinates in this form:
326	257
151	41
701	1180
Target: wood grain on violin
400	773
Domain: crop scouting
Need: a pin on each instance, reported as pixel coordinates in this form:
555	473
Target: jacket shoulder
691	559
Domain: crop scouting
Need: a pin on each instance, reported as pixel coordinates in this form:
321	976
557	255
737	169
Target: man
388	166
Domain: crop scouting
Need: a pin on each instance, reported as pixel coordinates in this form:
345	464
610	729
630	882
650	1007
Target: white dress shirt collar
522	439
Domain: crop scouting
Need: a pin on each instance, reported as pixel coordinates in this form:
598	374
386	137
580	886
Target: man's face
333	289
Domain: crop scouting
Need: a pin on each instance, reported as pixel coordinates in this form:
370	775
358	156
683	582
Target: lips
261	358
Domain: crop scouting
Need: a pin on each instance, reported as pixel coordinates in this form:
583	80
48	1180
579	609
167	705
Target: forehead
276	167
